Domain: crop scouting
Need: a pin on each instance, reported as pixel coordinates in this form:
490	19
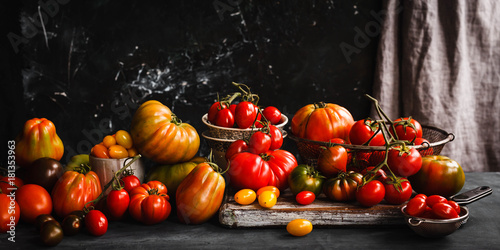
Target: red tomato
322	122
397	195
423	196
406	129
332	160
427	150
149	203
214	109
5	184
305	197
245	115
337	141
416	206
117	203
129	182
438	175
96	222
444	210
370	194
237	146
259	143
224	118
272	114
248	170
454	205
276	137
434	199
343	186
404	163
33	200
363	130
8	209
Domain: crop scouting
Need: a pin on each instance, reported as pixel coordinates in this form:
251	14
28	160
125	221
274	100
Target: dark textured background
94	62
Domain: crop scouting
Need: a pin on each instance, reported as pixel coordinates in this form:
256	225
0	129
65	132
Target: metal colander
309	150
435	228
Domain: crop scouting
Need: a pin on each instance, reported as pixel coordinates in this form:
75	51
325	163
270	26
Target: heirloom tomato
305	197
305	178
254	171
149	203
332	160
406	129
343	186
397	193
9	209
438	175
173	175
38	139
74	189
159	135
117	203
366	130
370	194
43	171
272	114
71	224
245	114
404	163
33	200
322	122
96	222
200	194
299	227
51	233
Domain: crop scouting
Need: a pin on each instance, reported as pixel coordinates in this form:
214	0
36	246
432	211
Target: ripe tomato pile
116	146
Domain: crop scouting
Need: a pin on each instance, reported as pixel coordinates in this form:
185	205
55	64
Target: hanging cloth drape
439	61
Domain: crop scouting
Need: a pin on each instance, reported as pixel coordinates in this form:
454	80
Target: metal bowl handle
412	223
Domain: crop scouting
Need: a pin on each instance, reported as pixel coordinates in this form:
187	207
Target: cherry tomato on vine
214	109
269	188
276	137
224	118
416	206
299	227
363	130
96	222
267	199
370	194
272	114
444	210
117	203
404	163
129	182
396	196
405	131
259	142
434	199
305	197
245	196
245	114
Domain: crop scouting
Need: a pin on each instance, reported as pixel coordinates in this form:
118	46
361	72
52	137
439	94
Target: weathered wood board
322	213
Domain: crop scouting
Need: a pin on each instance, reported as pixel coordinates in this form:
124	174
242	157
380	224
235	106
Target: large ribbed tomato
149	203
159	135
438	175
38	139
74	189
322	122
200	194
343	186
248	170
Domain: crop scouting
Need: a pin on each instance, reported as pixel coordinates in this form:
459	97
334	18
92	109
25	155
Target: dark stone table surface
482	231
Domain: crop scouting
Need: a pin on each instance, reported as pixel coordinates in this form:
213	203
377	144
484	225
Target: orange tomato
109	141
245	196
124	139
100	151
132	152
118	152
269	188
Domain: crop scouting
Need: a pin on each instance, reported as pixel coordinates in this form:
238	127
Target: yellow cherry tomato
109	141
123	138
269	188
267	199
132	152
299	227
117	152
100	151
245	196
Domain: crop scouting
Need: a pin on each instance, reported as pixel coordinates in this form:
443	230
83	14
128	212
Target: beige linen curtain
439	61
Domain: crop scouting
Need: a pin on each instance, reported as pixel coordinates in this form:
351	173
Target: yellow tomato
245	196
269	188
117	152
123	138
299	227
109	141
132	152
267	199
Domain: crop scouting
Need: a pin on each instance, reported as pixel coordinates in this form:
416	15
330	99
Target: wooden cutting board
322	213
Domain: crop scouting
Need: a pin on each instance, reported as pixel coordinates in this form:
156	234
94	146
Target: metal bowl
435	228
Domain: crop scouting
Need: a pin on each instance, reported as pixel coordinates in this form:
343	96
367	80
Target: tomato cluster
267	196
116	146
432	207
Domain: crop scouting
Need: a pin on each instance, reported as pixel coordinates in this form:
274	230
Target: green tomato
173	175
305	178
76	161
